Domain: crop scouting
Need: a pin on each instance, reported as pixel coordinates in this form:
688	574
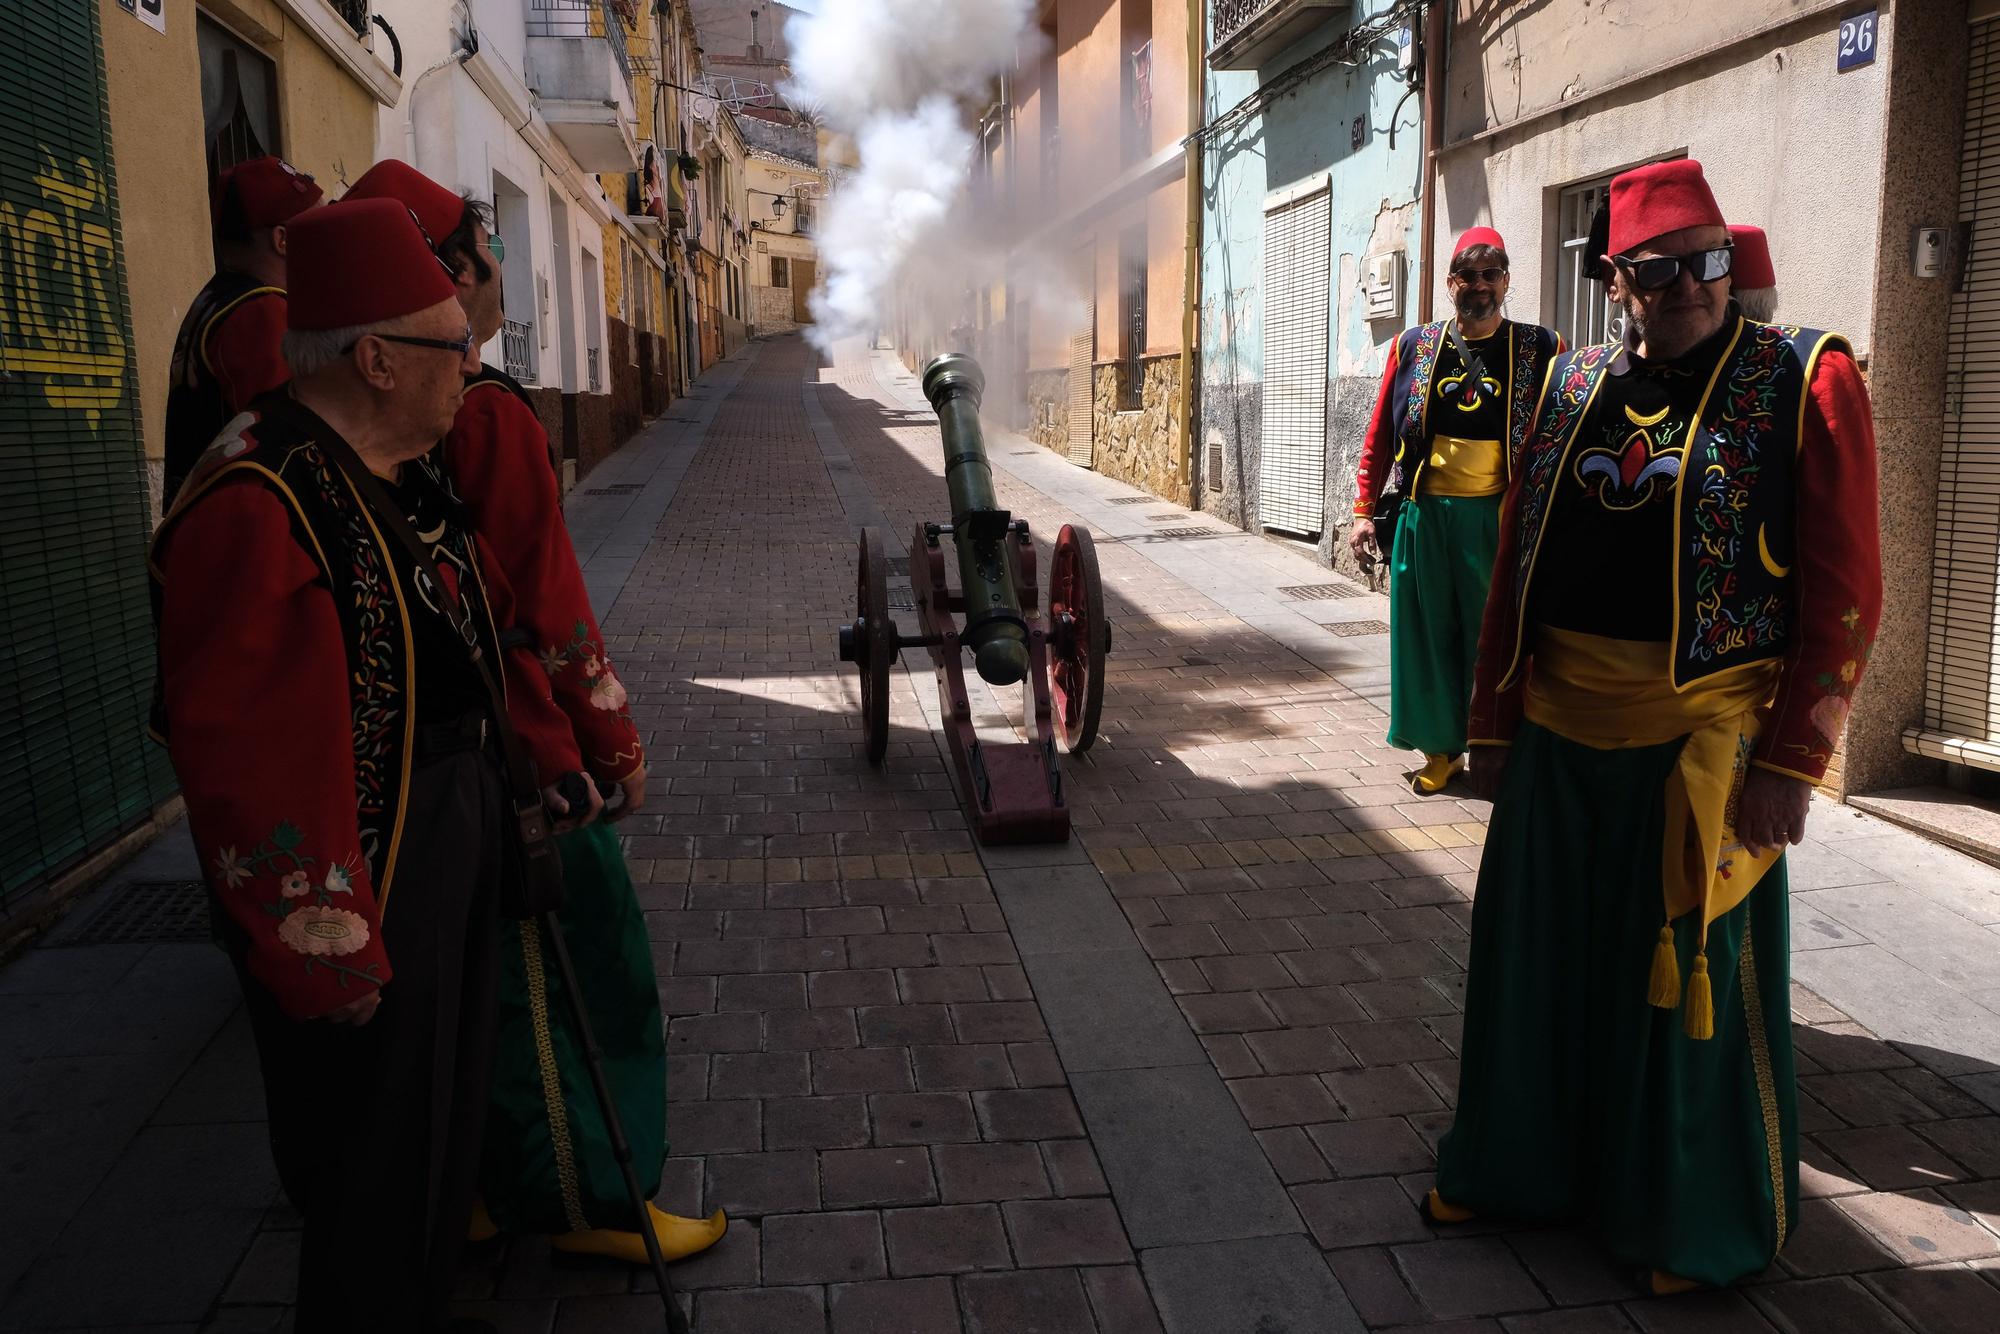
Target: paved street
1183	1073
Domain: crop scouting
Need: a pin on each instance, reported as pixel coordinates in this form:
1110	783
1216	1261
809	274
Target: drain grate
1025	453
616	489
1189	532
1350	629
900	601
1321	592
899	565
1130	500
1165	518
144	913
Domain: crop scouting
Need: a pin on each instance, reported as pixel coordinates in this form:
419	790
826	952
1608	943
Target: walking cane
613	1128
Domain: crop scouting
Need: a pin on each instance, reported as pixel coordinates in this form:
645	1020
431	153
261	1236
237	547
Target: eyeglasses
1482	275
1663	271
460	346
496	247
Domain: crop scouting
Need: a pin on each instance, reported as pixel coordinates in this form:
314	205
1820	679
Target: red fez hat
360	263
1478	236
262	192
438	210
1751	266
1658	198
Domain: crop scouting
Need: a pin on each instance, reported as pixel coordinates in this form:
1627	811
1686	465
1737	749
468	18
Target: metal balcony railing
581	18
1232	15
355	12
593	370
515	341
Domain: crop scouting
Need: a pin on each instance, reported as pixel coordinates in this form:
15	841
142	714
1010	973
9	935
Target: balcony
1253	34
516	356
582	78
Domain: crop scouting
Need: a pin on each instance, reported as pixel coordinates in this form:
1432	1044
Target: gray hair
1759	303
309	351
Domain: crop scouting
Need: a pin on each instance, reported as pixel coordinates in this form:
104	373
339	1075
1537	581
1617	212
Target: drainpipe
1433	139
1191	262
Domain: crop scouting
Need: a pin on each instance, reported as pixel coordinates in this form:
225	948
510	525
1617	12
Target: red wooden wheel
1080	637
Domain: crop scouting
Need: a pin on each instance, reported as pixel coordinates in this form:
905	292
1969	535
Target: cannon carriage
1056	655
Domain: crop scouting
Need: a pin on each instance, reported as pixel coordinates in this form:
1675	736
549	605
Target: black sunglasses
460	346
1483	275
1663	271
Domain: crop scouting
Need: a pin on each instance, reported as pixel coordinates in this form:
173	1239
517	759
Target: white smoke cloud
903	78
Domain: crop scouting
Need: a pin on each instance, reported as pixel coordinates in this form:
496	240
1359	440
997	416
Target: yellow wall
155	91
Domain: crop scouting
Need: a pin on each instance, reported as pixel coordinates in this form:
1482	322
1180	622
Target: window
1583	314
1132	317
1136	80
239	98
781	271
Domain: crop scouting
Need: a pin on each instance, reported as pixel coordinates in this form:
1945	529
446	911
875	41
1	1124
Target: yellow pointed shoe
1663	1284
679	1238
482	1227
1435	1210
1437	771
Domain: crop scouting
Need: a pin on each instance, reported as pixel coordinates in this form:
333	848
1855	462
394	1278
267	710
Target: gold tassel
1699	1021
1665	988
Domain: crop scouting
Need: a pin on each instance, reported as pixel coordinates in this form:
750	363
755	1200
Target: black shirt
1606	561
1467	410
448	686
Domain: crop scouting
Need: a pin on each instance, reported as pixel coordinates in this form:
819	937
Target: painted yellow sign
59	322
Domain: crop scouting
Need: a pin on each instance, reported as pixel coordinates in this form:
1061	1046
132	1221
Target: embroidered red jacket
1832	591
267	741
498	455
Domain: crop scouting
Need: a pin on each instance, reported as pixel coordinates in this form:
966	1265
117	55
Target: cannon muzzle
979	527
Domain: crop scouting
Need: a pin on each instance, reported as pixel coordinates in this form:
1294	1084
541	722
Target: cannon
1014	787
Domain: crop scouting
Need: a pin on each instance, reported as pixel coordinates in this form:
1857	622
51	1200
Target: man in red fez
1455	403
1687	588
1752	279
226	352
498	457
320	692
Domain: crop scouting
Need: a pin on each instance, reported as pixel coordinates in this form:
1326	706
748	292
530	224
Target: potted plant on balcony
690	166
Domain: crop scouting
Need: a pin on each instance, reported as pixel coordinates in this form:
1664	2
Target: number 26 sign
1857	41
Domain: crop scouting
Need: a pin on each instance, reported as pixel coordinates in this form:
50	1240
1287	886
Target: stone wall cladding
771	310
623	379
1138	447
1350	403
594	438
1048	409
1232	415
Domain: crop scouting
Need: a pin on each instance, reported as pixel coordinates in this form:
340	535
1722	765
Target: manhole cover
1349	629
1321	592
1189	532
1129	500
144	913
617	489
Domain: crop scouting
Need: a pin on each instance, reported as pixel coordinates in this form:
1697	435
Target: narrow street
1184	1073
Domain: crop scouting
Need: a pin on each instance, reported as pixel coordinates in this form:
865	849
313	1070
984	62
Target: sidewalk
1183	1073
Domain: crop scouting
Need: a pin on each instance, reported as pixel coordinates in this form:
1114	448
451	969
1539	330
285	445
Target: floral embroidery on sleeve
1829	713
607	692
309	921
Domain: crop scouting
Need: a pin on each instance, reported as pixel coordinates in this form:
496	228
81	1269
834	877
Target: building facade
1312	157
1083	163
784	196
535	106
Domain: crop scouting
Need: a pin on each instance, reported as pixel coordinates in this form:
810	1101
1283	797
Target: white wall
1786	142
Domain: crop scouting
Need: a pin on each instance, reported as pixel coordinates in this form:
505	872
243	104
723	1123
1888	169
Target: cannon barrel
993	625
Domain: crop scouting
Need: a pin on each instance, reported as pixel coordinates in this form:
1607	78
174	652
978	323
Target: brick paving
1186	1073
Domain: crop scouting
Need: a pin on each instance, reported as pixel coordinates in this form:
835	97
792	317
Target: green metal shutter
76	641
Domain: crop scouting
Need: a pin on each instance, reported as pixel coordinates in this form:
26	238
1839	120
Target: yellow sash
1466	468
1611	694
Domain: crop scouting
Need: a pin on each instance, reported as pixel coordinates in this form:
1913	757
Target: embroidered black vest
196	408
1529	350
1734	497
376	591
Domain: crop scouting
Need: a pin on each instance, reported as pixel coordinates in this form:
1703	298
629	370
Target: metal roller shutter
1292	475
76	641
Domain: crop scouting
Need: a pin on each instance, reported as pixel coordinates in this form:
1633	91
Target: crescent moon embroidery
1764	554
1654	419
